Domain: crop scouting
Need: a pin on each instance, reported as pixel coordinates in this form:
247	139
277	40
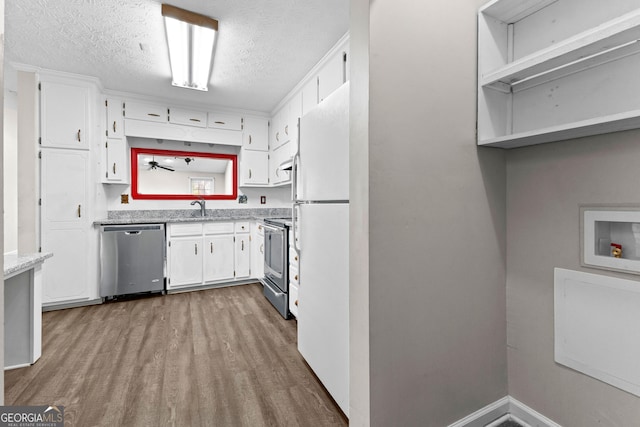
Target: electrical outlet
263	200
124	199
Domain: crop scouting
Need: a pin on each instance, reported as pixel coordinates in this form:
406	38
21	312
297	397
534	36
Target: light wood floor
220	357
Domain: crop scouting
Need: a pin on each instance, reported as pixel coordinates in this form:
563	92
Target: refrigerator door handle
294	169
294	226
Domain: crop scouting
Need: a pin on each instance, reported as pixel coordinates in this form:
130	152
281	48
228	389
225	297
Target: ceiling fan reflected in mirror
155	165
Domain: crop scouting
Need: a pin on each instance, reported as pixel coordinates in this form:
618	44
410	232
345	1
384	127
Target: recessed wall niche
610	238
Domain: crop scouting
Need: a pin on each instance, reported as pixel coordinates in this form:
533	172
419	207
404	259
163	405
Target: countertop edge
16	264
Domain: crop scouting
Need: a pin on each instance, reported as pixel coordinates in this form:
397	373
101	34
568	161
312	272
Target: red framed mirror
183	175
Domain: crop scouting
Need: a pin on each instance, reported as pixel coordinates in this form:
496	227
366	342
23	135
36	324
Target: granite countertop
14	264
191	215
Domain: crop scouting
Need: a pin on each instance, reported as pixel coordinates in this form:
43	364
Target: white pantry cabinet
64	115
550	70
66	225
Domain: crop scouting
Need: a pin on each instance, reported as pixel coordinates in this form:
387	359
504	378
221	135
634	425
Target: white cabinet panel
276	158
115	123
116	161
65	225
218	258
243	256
255	134
64	186
257	251
181	116
146	111
65	278
332	75
225	121
309	95
185	261
254	168
64	115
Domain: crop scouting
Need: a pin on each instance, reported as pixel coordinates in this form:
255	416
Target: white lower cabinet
207	253
257	250
184	257
218	258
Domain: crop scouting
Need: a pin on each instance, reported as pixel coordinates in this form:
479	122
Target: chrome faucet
202	204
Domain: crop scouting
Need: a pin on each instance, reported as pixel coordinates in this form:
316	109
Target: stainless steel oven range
276	264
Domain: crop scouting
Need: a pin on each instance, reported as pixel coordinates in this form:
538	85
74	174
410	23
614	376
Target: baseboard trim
486	415
503	410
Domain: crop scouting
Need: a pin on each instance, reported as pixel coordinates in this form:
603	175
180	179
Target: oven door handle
276	229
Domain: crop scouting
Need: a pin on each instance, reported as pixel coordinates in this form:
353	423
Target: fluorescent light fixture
191	38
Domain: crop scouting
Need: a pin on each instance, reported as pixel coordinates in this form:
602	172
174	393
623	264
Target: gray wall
545	186
435	210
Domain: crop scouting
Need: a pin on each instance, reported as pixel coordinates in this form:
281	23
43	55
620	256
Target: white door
255	134
117	170
65	224
65	115
323	298
254	167
185	261
218	258
324	150
243	256
115	128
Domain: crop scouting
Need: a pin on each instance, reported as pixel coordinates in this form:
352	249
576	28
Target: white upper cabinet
332	75
115	159
224	121
255	134
64	115
182	116
550	70
309	95
115	112
254	168
146	111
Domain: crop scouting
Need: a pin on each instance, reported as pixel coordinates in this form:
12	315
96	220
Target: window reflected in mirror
167	174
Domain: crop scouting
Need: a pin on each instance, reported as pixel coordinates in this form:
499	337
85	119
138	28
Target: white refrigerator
321	236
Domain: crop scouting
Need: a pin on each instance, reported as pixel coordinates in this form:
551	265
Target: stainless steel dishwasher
132	259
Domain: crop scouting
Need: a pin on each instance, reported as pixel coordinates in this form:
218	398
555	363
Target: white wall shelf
543	77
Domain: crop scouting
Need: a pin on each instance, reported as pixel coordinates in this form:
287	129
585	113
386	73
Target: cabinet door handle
114	126
153	114
79	139
211	247
220	123
195	120
296	277
296	303
249	139
114	168
79	211
286	129
277	136
296	257
262	248
242	244
196	248
277	172
259	227
249	173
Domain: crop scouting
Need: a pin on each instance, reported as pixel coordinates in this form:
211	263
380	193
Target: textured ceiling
263	49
